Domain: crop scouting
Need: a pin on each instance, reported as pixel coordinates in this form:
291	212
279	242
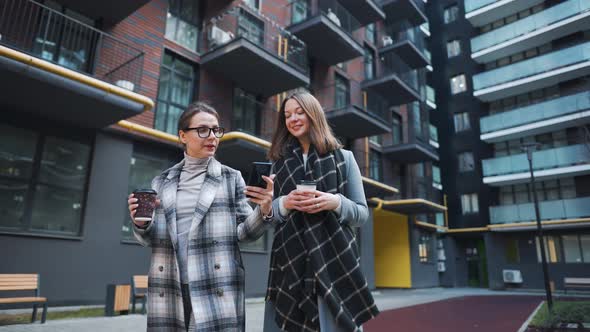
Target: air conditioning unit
512	276
125	85
386	40
219	37
441	267
333	17
441	255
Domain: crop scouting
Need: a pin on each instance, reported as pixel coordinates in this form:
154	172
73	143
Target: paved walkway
386	300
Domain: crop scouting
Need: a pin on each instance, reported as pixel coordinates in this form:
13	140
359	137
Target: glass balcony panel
530	24
577	207
537	112
471	5
549	210
544	63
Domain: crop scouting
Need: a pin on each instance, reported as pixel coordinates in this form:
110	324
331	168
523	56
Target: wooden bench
23	282
139	285
576	283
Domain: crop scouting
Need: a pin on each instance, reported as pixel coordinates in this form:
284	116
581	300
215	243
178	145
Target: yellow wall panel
392	250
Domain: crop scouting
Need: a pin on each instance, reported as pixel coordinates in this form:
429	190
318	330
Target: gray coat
215	270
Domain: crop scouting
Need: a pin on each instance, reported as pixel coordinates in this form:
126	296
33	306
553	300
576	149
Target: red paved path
502	313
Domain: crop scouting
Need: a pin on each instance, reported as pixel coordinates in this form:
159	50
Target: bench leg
34	316
143	305
133	304
44	315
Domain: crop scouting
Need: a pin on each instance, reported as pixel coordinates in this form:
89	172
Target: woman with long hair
315	280
196	275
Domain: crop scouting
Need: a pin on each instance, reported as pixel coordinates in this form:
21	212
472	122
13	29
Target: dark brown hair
184	121
320	133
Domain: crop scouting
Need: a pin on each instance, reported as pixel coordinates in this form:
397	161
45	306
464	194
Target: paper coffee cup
306	185
146	204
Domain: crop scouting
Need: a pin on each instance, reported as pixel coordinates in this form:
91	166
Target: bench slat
22	300
18	276
140	281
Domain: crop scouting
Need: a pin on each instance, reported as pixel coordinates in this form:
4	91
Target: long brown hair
320	133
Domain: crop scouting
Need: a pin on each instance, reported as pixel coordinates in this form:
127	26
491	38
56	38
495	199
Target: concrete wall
424	274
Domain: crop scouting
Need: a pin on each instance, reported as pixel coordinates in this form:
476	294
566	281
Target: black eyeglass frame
217	131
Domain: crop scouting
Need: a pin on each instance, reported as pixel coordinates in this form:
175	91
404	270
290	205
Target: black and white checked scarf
314	255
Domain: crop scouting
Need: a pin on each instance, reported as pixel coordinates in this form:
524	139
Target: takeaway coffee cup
306	185
146	204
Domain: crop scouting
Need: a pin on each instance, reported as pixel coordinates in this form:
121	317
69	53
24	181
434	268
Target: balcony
399	10
110	12
331	33
79	75
365	11
418	197
415	148
395	80
245	47
566	161
548	116
429	96
407	42
574	208
535	30
533	74
349	111
482	12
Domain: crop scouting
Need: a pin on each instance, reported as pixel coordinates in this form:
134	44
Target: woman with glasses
315	281
196	275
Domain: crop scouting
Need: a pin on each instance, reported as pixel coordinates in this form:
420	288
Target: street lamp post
529	148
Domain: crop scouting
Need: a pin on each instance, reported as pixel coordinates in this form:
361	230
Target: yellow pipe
446	211
468	230
131	126
286	48
412	201
367	165
280	46
73	75
428	225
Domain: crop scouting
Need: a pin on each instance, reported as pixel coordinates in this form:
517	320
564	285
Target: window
299	11
416	119
254	4
377	139
42	182
375	166
182	22
425	248
466	162
175	91
461	121
143	168
342	92
371	33
250	27
571	248
453	48
552	249
369	64
396	129
246	113
469	203
451	13
458	84
436	180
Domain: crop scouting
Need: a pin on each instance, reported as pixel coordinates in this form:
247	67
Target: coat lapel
208	192
169	198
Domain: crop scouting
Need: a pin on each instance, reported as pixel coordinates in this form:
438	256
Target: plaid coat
215	270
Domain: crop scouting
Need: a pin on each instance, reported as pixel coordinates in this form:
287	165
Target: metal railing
334	97
390	63
404	31
298	11
241	22
45	33
564	209
471	5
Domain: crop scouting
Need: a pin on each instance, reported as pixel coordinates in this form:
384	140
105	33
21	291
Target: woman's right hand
132	206
294	199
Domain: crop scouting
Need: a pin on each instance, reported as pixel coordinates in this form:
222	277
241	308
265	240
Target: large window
396	129
342	92
466	162
469	203
371	33
461	121
175	91
182	23
550	190
143	168
43	182
570	248
453	48
458	84
416	119
375	166
369	64
246	112
451	13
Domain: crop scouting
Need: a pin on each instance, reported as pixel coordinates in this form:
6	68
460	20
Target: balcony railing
334	97
428	94
541	64
42	32
471	5
298	11
542	160
529	24
243	22
538	112
390	63
404	31
549	210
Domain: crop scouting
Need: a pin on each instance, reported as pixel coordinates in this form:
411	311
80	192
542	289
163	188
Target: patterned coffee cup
146	201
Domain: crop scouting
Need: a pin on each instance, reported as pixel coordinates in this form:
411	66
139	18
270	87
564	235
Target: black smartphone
257	170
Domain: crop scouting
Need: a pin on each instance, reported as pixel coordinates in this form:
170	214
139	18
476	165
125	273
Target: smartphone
257	170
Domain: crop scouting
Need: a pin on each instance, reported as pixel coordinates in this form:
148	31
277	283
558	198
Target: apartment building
93	90
511	74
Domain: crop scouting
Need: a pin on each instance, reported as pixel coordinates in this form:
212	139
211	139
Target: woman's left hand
262	196
321	202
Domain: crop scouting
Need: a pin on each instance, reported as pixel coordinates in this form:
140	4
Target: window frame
193	22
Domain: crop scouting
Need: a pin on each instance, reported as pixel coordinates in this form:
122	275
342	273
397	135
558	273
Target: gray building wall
423	274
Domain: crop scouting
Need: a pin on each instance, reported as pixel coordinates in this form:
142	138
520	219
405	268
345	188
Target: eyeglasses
205	132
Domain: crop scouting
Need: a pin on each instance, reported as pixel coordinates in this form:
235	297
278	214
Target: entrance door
477	274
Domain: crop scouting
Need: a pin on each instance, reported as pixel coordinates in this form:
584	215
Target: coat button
220	292
161	268
162	294
217	266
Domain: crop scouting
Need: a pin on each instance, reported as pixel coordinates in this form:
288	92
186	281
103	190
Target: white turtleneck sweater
189	187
